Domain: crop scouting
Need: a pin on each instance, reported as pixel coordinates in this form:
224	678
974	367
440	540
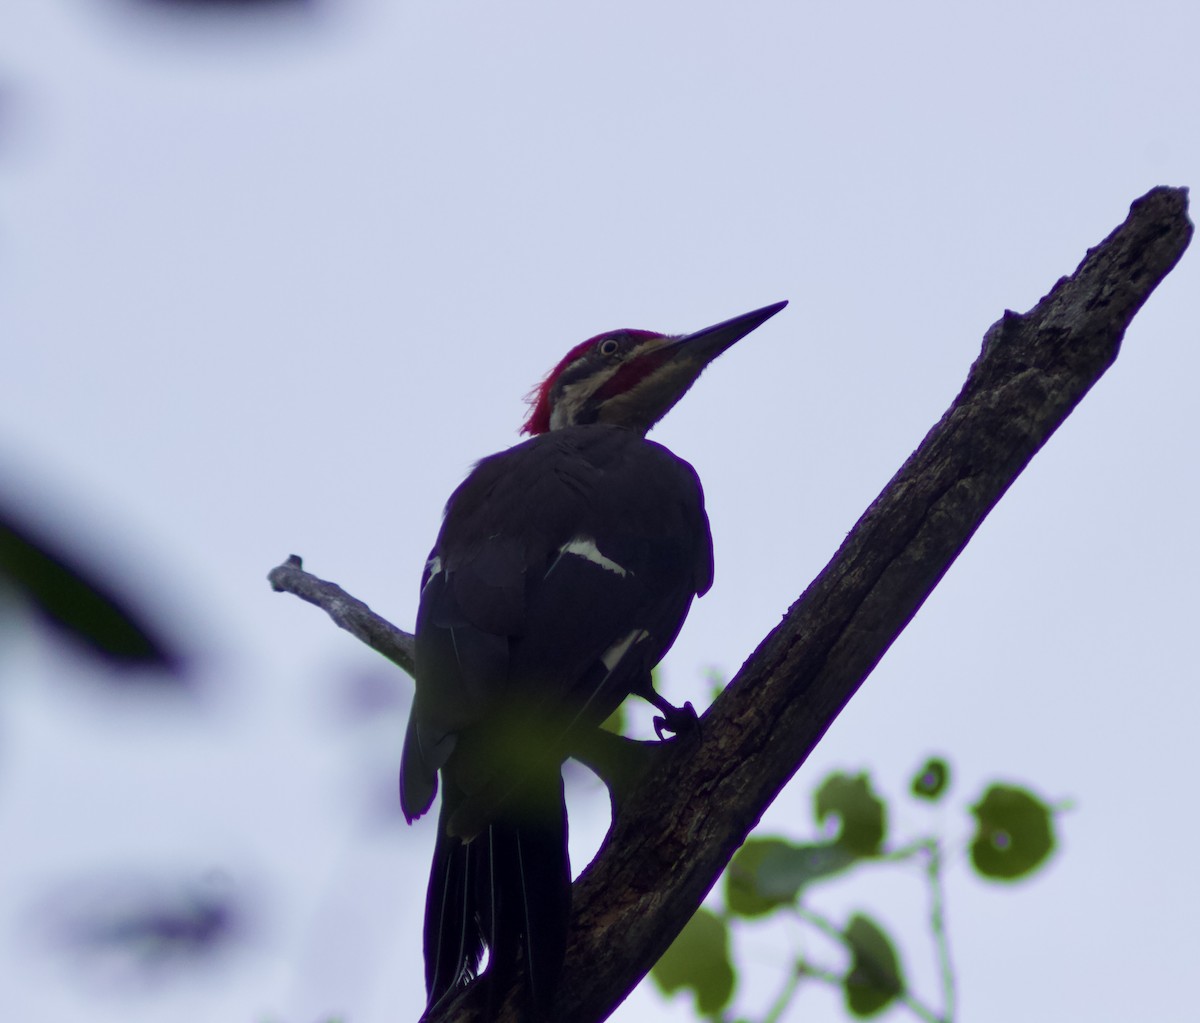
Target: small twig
348	612
914	848
775	1013
823	924
830	977
937	922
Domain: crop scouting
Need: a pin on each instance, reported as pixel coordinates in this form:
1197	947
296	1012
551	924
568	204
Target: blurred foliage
862	813
699	959
77	601
771	875
932	780
1015	833
874	978
130	928
222	5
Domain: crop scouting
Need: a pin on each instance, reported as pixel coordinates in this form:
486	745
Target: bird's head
631	378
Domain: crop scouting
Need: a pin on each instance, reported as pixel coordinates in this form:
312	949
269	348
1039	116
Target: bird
562	573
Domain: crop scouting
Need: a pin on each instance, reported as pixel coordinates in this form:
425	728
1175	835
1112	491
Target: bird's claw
676	720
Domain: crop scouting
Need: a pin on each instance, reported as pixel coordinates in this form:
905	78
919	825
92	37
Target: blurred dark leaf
699	959
874	979
218	21
933	780
743	895
158	932
1014	834
131	928
767	873
862	813
223	5
74	599
786	871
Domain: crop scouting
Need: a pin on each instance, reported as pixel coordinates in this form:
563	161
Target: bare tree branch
692	811
350	613
697	800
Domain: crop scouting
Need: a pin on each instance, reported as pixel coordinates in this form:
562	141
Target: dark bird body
563	572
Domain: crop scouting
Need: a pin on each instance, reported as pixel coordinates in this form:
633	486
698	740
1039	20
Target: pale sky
271	285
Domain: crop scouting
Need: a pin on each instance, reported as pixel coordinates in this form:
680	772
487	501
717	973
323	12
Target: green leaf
743	894
932	781
862	813
699	959
874	979
75	600
767	873
1014	834
785	871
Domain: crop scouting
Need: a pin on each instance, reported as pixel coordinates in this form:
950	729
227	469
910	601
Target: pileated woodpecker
563	572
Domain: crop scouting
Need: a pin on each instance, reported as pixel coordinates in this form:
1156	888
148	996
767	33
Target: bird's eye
609	346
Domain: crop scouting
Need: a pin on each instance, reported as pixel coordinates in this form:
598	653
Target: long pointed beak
648	385
702	346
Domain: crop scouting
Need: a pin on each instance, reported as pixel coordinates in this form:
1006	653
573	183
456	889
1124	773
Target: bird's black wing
564	569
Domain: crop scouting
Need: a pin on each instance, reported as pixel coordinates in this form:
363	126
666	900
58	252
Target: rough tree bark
695	800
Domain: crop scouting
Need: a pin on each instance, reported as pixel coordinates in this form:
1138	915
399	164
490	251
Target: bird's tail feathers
507	890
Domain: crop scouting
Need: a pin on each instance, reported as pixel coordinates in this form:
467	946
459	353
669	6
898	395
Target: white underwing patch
433	567
585	547
613	655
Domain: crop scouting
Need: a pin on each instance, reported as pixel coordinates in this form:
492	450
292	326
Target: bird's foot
678	721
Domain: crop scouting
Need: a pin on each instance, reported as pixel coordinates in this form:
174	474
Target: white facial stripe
434	567
568	404
585	547
613	655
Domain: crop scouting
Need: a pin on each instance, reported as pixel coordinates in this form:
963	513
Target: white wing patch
585	547
434	567
613	655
